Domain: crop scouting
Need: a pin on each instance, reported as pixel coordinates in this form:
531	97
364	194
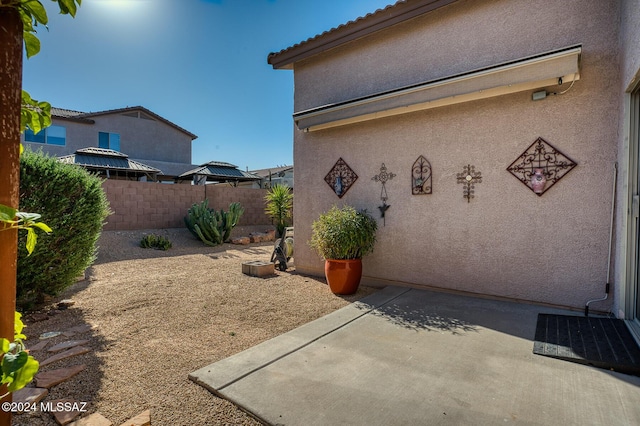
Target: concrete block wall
150	205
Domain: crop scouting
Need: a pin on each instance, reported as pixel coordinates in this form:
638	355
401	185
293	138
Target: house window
109	141
52	135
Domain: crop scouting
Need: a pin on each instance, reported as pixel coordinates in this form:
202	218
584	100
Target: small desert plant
210	226
279	202
157	242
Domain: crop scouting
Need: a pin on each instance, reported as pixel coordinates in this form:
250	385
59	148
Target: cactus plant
210	226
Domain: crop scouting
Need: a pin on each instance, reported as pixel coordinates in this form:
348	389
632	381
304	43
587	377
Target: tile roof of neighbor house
107	159
217	170
396	13
86	116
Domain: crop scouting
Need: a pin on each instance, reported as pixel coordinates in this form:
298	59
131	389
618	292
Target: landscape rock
65	417
50	334
78	350
240	240
142	419
29	395
66	345
38	316
51	378
95	419
64	304
38	346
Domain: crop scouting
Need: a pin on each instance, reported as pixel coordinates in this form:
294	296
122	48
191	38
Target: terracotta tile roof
400	11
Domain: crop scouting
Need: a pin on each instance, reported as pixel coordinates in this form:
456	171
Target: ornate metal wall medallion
383	177
421	177
340	178
469	177
540	166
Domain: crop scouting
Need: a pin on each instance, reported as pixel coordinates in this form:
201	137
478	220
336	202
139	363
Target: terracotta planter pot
343	276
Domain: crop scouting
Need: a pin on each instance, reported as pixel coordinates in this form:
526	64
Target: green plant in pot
342	236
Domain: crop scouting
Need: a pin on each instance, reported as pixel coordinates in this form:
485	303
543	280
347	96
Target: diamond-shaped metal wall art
541	166
340	178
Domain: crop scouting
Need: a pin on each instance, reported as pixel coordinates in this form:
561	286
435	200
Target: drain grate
600	342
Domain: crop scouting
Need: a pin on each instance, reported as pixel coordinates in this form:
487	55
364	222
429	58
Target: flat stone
29	395
256	238
78	350
50	334
64	417
51	378
66	345
64	304
37	317
142	419
38	346
241	240
95	419
81	328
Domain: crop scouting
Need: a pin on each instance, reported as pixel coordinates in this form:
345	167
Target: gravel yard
156	316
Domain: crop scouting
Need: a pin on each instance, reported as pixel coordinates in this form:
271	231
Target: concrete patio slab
407	356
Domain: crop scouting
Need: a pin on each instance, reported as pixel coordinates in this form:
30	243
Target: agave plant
210	226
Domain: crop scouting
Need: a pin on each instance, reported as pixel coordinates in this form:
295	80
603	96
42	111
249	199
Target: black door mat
600	342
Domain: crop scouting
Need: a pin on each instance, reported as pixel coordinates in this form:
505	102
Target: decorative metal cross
469	177
383	177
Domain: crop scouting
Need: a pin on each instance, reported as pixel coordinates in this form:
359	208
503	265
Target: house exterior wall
507	241
140	138
148	205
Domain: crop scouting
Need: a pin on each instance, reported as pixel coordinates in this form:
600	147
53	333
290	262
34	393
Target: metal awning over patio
217	171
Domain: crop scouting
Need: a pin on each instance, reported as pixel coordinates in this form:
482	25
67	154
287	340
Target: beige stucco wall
139	138
507	241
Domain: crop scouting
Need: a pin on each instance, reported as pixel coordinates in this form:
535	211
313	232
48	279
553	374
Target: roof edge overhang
353	30
533	72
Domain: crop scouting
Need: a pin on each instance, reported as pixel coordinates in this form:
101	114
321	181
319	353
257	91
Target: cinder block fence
151	205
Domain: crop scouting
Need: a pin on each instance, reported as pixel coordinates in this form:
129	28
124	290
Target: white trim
530	73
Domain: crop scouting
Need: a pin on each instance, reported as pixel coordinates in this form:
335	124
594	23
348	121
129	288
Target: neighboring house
136	132
282	175
414	94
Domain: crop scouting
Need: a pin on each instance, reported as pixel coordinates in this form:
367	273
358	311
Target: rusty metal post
10	101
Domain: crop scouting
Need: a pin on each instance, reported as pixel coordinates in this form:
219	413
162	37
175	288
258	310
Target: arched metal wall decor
421	177
541	166
340	178
469	177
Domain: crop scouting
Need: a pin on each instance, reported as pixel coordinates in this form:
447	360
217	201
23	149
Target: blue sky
201	64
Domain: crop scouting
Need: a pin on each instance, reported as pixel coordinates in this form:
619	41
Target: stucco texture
507	241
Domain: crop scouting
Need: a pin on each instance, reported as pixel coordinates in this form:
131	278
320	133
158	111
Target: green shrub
157	242
344	233
73	204
210	226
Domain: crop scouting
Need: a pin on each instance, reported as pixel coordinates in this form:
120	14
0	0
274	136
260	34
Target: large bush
73	203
